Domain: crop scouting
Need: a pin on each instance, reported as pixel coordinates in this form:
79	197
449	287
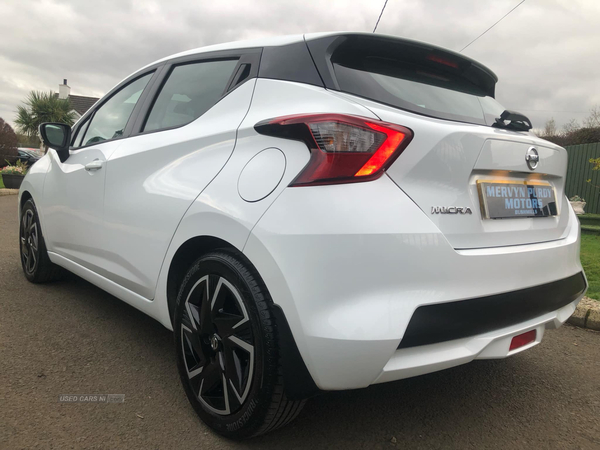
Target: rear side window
418	82
110	119
190	91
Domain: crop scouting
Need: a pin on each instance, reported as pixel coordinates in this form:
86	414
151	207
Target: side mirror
58	137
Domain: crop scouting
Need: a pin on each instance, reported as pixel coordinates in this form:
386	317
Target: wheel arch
186	254
25	195
298	382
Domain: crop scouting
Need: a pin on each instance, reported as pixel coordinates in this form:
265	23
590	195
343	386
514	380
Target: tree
593	120
8	141
571	126
550	128
42	107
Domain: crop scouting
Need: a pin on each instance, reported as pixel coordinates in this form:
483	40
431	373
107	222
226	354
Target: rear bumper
413	361
349	265
444	322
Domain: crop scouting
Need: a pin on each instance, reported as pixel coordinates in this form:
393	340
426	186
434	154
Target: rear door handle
94	165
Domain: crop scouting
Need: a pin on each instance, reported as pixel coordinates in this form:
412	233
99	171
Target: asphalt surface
70	337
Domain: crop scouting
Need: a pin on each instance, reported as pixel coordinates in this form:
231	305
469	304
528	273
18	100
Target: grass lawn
590	258
1	183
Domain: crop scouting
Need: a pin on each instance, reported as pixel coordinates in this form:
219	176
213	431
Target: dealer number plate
513	199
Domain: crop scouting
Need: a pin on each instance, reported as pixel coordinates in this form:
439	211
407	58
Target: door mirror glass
56	135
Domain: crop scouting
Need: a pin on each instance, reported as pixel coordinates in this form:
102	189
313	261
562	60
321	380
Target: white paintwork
348	264
261	175
153	180
445	159
249	43
360	269
73	205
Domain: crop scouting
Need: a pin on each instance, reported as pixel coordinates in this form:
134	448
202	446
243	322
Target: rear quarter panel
220	211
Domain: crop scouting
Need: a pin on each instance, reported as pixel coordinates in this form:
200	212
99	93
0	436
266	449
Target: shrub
8	140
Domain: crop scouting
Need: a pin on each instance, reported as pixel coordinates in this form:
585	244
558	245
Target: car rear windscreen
421	82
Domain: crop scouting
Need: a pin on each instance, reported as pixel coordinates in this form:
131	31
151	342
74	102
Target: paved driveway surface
72	338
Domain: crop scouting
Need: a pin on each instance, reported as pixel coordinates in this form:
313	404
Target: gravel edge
587	314
8	192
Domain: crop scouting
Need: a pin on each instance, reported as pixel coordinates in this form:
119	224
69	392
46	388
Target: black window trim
249	56
86	119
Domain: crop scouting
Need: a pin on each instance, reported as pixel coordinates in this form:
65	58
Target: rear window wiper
517	121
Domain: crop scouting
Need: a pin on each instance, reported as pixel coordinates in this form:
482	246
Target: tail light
344	149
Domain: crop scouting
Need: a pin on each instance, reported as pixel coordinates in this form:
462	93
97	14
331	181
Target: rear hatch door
482	186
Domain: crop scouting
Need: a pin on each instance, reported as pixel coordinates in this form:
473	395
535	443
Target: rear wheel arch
184	257
24	197
298	382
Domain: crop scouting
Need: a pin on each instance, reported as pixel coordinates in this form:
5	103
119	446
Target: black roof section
310	61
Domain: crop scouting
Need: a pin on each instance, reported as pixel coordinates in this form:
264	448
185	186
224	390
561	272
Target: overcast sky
546	53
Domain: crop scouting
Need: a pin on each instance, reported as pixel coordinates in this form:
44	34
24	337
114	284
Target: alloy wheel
29	241
218	345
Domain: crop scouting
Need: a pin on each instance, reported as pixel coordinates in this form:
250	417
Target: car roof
271	41
278	41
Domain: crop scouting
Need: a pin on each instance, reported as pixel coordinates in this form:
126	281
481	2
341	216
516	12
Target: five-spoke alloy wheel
217	341
37	266
29	242
227	347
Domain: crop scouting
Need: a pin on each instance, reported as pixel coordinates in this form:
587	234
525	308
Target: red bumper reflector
522	339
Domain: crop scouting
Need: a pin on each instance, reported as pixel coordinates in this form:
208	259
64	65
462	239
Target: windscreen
423	83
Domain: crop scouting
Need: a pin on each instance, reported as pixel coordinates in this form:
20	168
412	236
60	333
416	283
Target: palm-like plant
42	107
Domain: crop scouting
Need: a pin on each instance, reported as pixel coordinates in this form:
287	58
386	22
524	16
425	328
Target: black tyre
227	348
36	264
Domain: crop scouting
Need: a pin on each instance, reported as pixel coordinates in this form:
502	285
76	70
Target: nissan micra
310	213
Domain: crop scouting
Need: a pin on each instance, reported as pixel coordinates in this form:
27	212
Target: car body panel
445	160
162	173
74	205
379	257
220	211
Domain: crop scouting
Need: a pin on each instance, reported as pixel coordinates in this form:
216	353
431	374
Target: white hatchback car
310	213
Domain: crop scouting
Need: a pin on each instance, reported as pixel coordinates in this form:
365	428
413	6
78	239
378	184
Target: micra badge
450	210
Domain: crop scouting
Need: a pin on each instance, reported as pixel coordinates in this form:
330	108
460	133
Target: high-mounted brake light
344	148
441	60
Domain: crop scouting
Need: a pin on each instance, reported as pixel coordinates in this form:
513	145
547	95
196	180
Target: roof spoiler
325	48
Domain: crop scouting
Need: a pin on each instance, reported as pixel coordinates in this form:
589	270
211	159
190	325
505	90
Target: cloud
545	52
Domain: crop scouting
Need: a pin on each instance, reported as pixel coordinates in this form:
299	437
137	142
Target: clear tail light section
344	148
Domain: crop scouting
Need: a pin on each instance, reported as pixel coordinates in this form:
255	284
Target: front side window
110	119
79	134
190	91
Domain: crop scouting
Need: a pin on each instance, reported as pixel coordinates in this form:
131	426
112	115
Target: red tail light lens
344	149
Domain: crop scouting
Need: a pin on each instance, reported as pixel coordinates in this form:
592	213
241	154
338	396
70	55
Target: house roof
81	104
